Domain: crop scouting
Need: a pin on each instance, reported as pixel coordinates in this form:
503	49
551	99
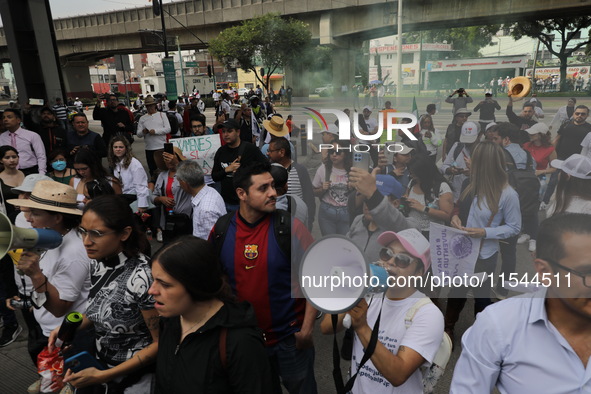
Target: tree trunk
563	65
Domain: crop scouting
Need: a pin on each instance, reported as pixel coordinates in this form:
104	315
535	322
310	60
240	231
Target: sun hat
276	126
469	133
51	196
29	183
463	111
538	128
576	165
149	101
412	240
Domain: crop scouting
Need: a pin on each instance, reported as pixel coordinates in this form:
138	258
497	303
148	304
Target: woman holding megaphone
60	277
119	306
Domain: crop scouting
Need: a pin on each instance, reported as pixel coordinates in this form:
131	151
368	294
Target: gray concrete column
343	68
30	37
77	81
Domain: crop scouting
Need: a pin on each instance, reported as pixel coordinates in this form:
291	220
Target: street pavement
18	371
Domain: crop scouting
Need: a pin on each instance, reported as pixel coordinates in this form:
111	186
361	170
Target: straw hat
276	126
51	196
149	101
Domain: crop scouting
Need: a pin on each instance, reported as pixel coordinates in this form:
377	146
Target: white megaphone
12	237
334	275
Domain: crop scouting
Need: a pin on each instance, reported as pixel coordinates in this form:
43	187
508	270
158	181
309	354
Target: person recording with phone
174	202
461	101
60	277
119	307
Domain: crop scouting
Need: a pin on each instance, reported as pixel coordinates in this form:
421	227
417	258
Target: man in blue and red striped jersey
260	272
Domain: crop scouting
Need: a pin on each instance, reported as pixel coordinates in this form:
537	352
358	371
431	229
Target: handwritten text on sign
200	148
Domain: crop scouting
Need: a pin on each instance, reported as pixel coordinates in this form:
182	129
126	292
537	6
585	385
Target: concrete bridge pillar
32	48
343	55
77	80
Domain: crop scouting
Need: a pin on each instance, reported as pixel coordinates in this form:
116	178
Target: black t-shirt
224	157
571	136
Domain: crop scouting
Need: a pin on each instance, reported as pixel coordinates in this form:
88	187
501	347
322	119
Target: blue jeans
294	367
333	220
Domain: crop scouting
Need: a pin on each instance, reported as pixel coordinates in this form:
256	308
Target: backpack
432	373
526	184
281	226
174	123
291	205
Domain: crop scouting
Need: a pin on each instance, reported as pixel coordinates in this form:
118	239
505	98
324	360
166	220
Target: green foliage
267	41
555	34
467	41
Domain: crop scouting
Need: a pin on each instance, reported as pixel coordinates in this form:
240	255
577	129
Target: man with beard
48	128
251	245
191	112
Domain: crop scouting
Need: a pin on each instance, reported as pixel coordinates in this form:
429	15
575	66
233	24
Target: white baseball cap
576	165
469	133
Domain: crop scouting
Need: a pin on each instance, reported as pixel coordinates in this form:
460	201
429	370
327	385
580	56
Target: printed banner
453	253
200	148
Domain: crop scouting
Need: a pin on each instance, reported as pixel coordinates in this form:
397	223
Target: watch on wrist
426	209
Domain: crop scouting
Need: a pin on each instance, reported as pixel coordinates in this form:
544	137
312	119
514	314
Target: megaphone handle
347	321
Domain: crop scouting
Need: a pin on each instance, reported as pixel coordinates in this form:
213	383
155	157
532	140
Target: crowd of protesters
213	309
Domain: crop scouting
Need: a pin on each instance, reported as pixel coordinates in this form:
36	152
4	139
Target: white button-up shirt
513	346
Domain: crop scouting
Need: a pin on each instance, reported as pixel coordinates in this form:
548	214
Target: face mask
59	165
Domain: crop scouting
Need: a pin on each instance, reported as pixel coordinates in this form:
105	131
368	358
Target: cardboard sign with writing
200	148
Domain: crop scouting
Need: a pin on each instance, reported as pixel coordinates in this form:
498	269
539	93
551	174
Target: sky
64	8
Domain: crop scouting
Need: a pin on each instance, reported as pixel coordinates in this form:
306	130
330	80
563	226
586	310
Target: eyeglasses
92	234
334	152
401	260
585	276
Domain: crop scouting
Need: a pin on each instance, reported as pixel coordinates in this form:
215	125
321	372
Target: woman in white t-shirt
331	185
394	366
429	196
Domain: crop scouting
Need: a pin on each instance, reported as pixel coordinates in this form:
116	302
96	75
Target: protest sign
199	148
453	253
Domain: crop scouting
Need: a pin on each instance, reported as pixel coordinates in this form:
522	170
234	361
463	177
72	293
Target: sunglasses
334	152
93	234
401	260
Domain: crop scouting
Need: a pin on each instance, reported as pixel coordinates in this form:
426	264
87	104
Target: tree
467	41
268	42
556	34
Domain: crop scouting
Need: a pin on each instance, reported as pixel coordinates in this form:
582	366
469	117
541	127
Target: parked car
326	89
242	91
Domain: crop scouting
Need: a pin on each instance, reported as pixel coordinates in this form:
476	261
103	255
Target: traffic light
156	7
209	73
262	72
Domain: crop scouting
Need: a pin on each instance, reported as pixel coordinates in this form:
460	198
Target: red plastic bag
51	368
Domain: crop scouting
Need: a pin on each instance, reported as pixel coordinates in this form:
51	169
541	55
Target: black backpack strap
457	153
219	231
508	155
282	227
